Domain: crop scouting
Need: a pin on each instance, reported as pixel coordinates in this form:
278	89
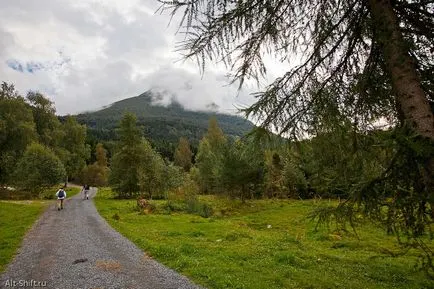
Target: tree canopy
126	161
183	154
96	174
29	125
136	168
355	48
17	130
38	168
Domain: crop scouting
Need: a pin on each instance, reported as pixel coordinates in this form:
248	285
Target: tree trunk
405	81
411	99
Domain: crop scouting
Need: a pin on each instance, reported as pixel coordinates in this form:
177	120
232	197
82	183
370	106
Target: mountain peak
164	121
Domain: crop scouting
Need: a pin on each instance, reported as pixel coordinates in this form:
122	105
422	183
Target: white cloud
92	53
196	92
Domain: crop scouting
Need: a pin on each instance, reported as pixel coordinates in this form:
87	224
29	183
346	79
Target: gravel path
76	248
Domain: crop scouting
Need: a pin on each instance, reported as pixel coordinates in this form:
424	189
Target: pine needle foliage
337	41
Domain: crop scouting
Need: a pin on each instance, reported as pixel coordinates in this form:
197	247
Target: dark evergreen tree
127	160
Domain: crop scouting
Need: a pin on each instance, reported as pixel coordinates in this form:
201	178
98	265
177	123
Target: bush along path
76	248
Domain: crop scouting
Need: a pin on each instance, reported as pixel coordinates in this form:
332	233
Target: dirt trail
76	248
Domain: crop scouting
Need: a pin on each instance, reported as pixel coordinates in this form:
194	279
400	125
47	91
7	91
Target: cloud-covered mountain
163	123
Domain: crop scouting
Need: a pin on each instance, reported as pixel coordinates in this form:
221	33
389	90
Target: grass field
17	217
263	244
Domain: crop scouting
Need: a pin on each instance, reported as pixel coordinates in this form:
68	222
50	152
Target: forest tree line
36	149
258	165
39	150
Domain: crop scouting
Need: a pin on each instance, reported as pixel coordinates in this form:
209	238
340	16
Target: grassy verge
263	244
72	191
45	194
16	217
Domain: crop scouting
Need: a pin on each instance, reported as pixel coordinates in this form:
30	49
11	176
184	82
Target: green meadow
264	244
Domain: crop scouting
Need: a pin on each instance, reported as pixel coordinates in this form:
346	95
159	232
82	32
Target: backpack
61	194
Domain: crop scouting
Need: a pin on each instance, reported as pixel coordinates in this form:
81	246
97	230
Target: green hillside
162	125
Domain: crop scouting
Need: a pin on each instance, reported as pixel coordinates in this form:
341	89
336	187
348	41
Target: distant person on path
85	190
61	195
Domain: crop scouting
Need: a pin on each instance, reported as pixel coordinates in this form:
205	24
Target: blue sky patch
34	66
29	67
15	65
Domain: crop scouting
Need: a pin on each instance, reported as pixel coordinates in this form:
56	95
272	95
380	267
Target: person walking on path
61	195
85	191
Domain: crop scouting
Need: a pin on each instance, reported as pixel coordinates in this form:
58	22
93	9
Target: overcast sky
85	54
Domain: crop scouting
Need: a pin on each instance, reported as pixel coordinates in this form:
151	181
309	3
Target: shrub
206	211
171	206
194	206
38	168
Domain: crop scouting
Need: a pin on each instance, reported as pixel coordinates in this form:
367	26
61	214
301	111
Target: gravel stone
76	248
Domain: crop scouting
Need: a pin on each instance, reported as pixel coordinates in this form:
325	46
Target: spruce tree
127	160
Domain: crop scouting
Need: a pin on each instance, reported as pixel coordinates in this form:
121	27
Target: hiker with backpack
85	190
61	195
